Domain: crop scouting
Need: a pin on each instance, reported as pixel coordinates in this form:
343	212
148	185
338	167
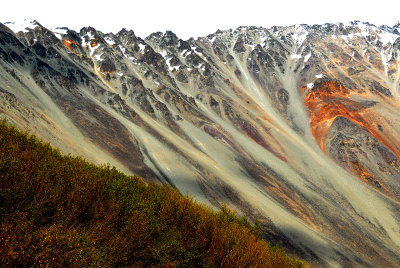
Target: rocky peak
4	28
22	26
127	37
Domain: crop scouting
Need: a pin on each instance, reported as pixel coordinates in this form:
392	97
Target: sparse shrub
64	211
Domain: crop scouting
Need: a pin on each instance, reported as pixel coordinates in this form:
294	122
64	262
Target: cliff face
295	126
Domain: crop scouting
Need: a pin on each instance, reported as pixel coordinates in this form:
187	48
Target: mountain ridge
249	117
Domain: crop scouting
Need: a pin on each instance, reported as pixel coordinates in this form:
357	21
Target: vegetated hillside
295	127
63	210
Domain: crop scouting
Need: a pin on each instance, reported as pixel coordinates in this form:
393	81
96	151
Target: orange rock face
366	176
69	43
328	100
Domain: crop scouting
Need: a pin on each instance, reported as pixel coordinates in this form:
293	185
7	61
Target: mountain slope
293	126
62	211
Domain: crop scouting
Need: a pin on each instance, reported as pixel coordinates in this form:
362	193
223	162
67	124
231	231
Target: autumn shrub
58	210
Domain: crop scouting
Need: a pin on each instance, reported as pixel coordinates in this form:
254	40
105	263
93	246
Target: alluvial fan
296	127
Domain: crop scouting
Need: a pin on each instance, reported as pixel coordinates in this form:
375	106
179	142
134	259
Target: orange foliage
61	211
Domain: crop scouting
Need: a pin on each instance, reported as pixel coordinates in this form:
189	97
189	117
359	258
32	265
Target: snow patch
264	39
91	51
307	57
386	37
351	36
310	85
21	26
364	29
142	48
98	69
58	32
300	35
295	56
319	75
163	53
97	57
385	61
251	47
84	43
170	67
123	50
109	41
90	35
184	52
197	52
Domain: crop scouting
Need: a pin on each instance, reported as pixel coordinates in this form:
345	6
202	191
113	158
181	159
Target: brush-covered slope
63	211
295	126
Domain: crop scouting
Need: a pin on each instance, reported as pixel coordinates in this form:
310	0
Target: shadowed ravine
296	127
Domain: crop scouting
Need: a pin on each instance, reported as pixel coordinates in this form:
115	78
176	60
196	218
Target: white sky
195	18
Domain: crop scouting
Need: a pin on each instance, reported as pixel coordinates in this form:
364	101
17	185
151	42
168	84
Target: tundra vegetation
61	210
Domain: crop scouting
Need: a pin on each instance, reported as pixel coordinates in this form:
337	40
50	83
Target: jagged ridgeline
295	127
